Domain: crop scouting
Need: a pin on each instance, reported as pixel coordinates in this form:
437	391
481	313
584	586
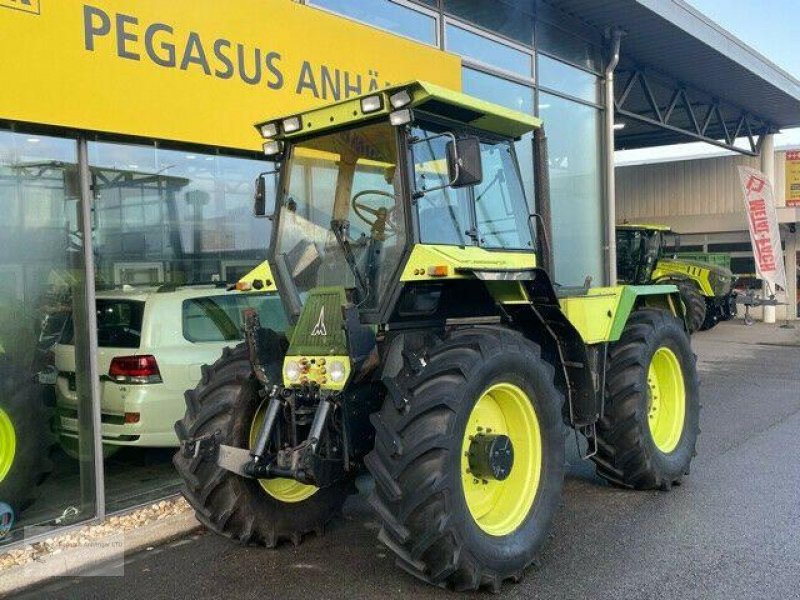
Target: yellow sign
793	178
30	6
200	71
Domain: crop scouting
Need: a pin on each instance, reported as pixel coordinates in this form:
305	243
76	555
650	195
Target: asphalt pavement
731	531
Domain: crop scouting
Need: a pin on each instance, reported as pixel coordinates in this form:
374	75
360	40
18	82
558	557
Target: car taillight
135	369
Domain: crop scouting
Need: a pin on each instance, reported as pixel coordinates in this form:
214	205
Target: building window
511	95
40	268
184	211
504	17
561	77
391	16
566	46
573	133
488	52
166	216
498	90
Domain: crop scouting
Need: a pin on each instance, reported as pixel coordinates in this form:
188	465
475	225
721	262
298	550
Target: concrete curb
81	559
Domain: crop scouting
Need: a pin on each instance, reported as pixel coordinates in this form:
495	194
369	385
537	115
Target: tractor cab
639	247
363	182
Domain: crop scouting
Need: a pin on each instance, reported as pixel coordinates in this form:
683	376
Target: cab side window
443	213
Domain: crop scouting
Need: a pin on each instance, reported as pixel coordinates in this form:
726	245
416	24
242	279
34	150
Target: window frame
489	68
419	8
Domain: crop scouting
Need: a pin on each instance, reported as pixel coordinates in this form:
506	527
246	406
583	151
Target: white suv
152	344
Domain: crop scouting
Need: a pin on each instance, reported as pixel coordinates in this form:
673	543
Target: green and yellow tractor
428	348
706	289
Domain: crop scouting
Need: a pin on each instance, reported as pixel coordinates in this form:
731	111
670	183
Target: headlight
291	370
400	117
371	104
400	99
269	130
291	125
336	371
272	147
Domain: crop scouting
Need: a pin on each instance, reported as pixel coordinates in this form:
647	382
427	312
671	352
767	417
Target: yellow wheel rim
8	444
285	490
500	506
666	400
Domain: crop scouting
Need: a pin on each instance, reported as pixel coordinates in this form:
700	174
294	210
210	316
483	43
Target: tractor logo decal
319	328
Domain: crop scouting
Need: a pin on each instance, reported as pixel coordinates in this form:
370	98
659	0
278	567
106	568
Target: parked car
152	345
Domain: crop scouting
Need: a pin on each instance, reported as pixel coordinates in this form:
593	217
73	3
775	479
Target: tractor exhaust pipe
544	222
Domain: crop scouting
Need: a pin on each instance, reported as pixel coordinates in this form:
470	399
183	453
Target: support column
610	180
768	169
792	248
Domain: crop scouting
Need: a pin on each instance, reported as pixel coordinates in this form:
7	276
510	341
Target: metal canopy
683	78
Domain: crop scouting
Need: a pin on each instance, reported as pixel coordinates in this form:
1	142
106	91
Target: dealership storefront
127	157
127	160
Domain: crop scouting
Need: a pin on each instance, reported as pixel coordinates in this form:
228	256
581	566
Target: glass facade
169	225
41	284
387	15
510	19
573	134
470	44
173	216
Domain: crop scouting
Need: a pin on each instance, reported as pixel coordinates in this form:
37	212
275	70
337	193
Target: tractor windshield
637	253
340	223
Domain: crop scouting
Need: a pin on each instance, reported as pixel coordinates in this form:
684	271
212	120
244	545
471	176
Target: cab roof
645	226
426	97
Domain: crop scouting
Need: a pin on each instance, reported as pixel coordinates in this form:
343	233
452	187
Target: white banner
765	235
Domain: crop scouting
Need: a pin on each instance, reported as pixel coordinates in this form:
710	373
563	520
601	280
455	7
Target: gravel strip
114	525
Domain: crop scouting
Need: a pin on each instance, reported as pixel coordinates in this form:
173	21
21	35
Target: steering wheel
379	224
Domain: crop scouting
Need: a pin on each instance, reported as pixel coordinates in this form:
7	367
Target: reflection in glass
386	15
488	51
566	46
508	18
41	284
511	95
561	77
573	133
170	226
168	216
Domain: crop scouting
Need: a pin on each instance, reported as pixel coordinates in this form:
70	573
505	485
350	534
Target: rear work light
135	369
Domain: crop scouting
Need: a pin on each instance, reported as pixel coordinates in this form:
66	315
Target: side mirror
260	198
464	166
261	193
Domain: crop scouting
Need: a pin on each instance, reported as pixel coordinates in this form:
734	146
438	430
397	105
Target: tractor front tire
26	441
694	302
449	523
648	433
226	402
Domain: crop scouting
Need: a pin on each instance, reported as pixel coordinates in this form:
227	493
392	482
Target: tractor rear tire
648	433
694	302
427	495
226	402
25	418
